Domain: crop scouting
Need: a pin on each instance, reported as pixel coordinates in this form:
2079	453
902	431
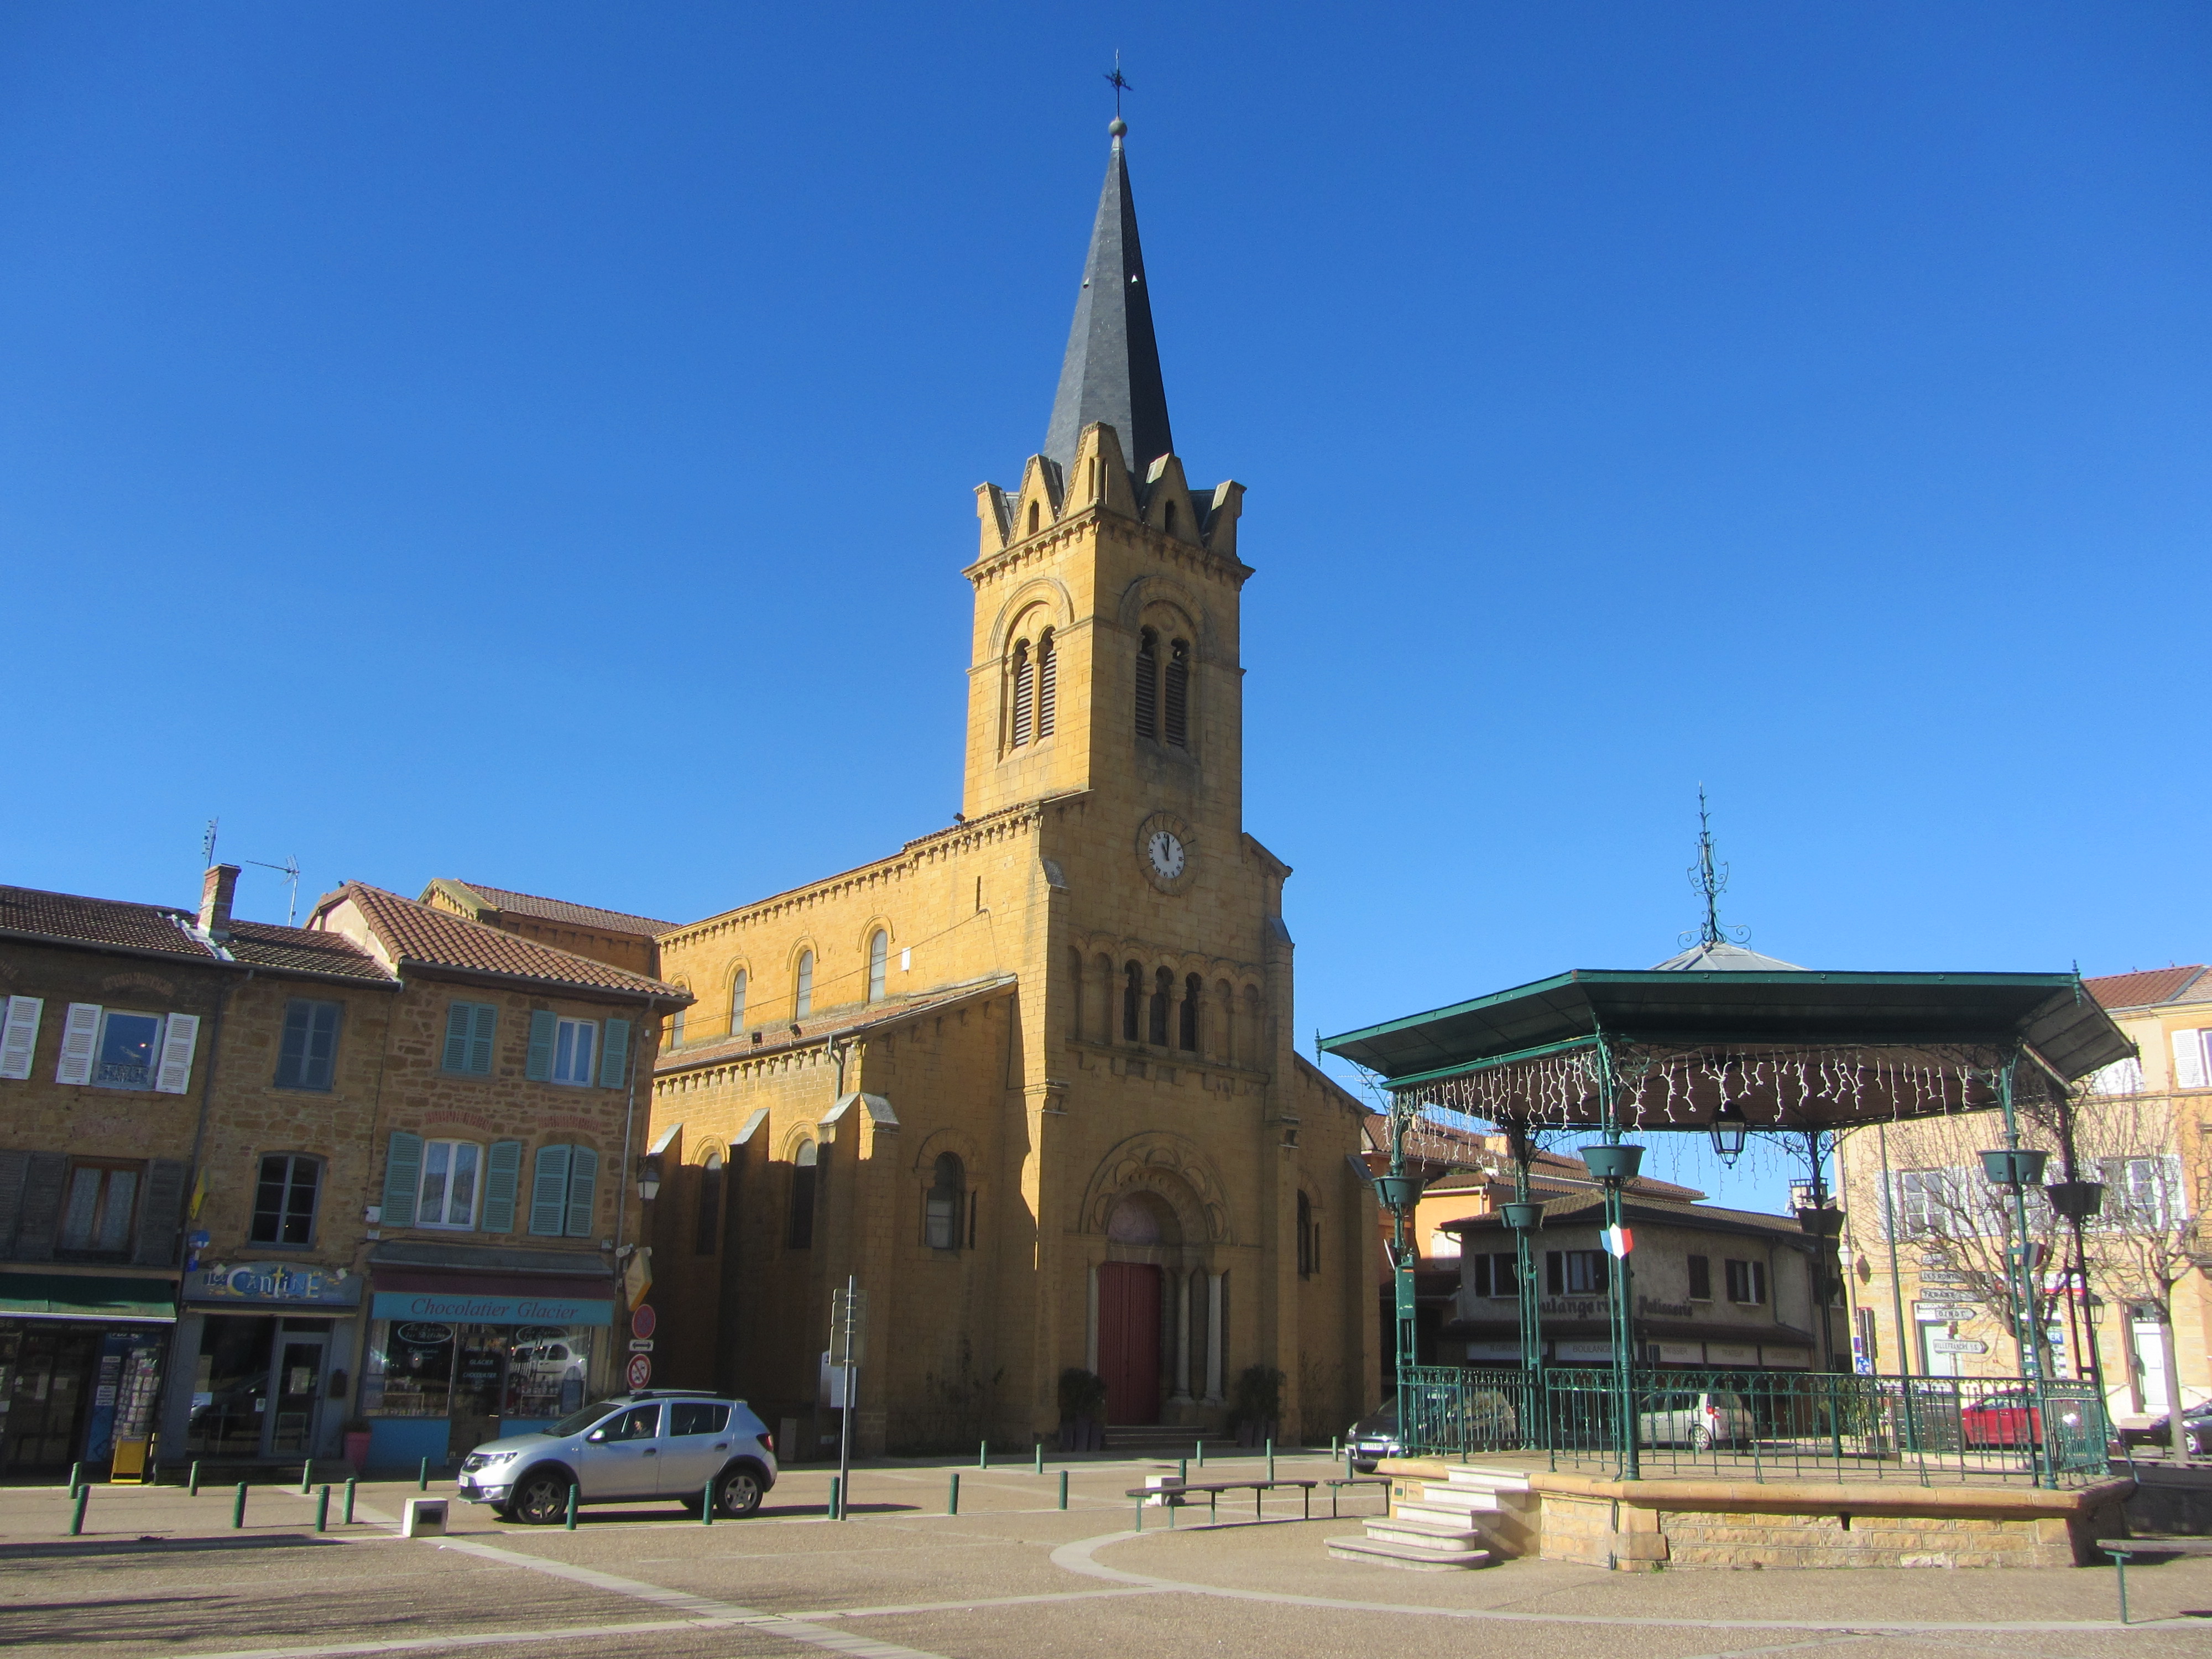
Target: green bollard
238	1508
422	1477
1270	1457
1063	1489
1183	1469
193	1490
1201	1454
323	1510
76	1478
707	1506
953	1495
983	1455
306	1477
349	1502
76	1513
1040	1457
836	1511
571	1522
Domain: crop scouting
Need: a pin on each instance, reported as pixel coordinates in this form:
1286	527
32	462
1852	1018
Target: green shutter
502	1180
548	1192
482	1031
458	1017
614	1053
403	1178
544	1025
583	1186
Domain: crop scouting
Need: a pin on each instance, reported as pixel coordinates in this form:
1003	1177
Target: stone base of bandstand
1644	1526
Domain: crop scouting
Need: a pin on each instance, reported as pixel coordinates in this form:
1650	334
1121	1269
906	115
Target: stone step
1474	1478
1427	1534
1459	1514
1407	1557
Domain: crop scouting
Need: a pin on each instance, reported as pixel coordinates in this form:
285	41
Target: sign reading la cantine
273	1281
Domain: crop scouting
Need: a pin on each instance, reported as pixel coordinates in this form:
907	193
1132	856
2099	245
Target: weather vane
1119	82
1711	880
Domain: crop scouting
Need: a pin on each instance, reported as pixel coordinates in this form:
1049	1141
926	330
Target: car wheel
1701	1438
738	1493
540	1498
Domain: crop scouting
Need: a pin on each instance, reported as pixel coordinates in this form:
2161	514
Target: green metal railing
1765	1425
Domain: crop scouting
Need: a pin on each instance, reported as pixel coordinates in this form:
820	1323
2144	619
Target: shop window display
522	1372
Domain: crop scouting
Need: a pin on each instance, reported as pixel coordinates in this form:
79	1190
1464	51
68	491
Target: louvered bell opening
1179	696
1162	992
1148	688
1025	694
1047	670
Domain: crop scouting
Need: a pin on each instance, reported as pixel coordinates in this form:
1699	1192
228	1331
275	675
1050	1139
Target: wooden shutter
1025	694
18	1041
292	1053
2189	1060
14	1166
160	1214
1178	698
503	1181
323	1045
80	1036
1048	678
583	1190
179	1037
459	1015
403	1178
545	1026
484	1027
43	1185
548	1192
1148	689
1555	1272
614	1053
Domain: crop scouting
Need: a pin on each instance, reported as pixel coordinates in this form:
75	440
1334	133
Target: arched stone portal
1132	1307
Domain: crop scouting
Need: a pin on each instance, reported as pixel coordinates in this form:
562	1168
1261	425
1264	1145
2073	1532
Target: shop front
454	1359
266	1361
81	1363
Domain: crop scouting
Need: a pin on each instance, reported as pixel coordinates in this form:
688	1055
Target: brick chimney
215	893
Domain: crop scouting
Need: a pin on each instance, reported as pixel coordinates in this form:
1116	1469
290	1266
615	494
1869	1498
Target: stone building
1030	1080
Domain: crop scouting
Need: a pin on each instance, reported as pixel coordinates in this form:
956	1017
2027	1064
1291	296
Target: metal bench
2121	1548
1213	1489
1335	1487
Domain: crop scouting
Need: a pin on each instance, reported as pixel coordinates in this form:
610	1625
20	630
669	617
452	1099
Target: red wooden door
1129	1341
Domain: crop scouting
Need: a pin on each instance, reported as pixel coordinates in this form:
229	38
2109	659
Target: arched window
1075	993
1047	675
738	1003
1133	999
1178	697
708	1239
676	1028
1309	1239
880	950
802	1001
1024	693
1148	685
1163	994
1193	991
1034	517
804	1166
1166	519
941	1209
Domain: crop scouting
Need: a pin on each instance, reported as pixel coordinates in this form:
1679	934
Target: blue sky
534	444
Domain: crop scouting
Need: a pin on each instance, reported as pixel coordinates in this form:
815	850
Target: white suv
625	1449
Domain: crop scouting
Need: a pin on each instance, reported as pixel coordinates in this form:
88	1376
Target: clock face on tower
1164	852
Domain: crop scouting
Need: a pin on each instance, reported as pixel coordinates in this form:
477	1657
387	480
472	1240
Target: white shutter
20	1036
175	1075
2189	1060
80	1036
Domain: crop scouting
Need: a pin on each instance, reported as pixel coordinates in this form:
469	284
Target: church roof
854	1019
1112	370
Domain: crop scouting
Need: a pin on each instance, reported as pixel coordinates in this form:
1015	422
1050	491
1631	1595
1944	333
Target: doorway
479	1383
1129	1341
257	1387
43	1371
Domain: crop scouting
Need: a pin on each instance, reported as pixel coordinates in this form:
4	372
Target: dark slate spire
1112	373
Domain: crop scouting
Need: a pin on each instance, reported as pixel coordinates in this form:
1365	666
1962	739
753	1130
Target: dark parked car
2196	1428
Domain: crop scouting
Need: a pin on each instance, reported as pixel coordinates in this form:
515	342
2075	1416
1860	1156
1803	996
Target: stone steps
1374	1552
1424	1533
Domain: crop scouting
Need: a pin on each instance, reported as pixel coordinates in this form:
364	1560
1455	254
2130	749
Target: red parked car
2010	1417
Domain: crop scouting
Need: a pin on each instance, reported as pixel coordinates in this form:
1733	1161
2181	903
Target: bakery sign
289	1283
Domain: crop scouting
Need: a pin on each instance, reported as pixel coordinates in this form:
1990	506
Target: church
1030	1081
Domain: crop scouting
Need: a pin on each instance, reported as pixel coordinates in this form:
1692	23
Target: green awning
86	1296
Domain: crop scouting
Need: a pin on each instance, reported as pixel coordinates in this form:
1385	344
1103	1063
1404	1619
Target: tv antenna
290	871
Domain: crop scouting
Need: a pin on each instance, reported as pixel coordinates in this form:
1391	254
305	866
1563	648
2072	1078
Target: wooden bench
1213	1489
2121	1548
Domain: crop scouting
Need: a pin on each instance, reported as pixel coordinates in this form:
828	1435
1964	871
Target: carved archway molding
1170	1167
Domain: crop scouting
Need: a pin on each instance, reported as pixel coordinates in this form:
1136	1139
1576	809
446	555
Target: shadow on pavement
81	1549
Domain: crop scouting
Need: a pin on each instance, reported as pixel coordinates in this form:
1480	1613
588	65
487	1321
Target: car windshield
577	1422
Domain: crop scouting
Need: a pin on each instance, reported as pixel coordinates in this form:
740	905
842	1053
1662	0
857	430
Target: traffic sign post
848	1334
641	1370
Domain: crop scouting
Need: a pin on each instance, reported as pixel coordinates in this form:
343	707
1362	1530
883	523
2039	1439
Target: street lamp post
1399	1193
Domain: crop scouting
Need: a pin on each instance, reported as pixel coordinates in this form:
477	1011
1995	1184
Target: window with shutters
879	953
452	1172
737	1004
2192	1059
1178	696
943	1205
1575	1272
1024	693
1747	1283
1148	685
128	1049
97	1206
802	999
563	1191
706	1237
1494	1275
1701	1279
575	1045
1047	682
469	1029
285	1199
308	1056
805	1166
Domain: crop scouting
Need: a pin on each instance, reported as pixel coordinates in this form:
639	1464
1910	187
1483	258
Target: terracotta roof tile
416	934
101	921
580	915
302	949
2143	990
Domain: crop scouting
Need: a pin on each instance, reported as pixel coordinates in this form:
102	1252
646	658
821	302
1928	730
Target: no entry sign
641	1370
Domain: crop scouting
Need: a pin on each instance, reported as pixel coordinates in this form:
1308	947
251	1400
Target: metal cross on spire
1119	82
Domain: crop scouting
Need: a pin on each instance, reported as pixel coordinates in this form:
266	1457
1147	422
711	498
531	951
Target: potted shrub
1255	1404
356	1443
1082	1410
